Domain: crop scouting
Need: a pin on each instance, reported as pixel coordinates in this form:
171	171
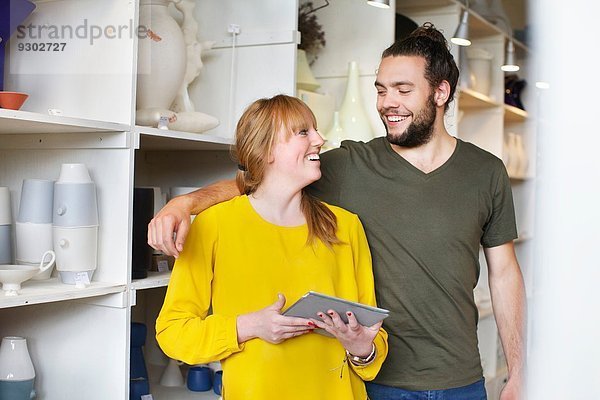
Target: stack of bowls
5	226
34	223
75	224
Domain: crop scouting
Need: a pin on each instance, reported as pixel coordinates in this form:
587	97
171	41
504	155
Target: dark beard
420	131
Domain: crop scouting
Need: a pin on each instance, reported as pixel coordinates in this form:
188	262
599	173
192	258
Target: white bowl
11	276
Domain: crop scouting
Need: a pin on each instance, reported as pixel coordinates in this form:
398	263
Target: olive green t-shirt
424	231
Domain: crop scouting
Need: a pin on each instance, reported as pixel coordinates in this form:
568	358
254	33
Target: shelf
51	290
154	280
514	114
180	393
149	138
25	122
479	27
469	98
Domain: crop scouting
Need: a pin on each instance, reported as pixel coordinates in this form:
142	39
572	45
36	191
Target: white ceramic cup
74	173
32	241
36	201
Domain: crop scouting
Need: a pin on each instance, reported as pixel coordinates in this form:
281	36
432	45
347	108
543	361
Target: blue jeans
474	391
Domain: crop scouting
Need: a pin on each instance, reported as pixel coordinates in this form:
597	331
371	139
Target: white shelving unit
79	337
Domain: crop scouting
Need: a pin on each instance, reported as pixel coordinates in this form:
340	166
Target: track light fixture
461	36
510	64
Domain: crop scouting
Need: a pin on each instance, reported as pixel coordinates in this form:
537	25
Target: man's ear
442	92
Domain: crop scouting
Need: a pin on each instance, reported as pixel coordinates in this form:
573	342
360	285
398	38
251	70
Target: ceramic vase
171	376
304	76
16	369
33	231
161	58
480	70
322	106
75	224
353	118
522	157
336	133
513	162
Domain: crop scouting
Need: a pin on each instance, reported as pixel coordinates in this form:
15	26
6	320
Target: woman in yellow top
275	242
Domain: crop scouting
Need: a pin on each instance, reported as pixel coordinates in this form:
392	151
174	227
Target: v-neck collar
416	171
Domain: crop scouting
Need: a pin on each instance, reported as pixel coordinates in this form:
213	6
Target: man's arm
168	229
509	304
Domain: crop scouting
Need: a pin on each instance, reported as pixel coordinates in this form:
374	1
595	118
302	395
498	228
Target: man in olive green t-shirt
427	201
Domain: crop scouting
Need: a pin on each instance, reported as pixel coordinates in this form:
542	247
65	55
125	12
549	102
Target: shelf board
164	139
25	122
514	114
469	98
154	280
180	393
51	290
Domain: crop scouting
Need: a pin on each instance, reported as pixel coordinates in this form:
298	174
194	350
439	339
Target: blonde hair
255	136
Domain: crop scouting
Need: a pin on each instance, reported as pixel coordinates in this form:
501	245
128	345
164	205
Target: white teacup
11	276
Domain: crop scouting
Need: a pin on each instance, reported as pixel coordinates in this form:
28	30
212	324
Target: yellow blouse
237	262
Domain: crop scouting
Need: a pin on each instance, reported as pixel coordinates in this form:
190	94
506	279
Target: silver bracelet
362	361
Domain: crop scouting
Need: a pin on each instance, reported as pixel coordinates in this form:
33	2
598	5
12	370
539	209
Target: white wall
565	351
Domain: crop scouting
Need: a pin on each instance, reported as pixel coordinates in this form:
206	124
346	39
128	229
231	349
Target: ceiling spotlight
510	64
461	36
379	3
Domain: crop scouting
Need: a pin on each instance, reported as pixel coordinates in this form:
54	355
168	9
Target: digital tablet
312	302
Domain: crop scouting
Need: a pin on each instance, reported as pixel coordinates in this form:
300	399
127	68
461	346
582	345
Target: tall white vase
353	118
336	134
161	57
304	77
16	369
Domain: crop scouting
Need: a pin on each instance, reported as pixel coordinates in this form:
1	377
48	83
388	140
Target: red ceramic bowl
12	100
